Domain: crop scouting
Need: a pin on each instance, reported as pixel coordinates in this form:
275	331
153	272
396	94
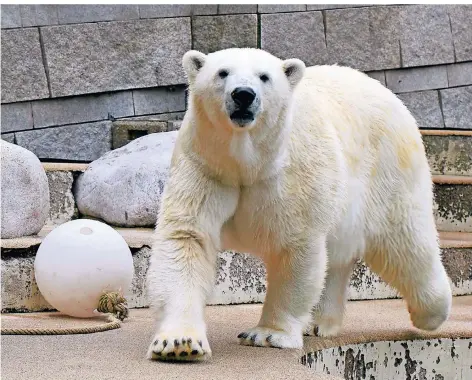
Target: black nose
243	96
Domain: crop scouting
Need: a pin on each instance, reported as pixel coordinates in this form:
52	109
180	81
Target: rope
113	304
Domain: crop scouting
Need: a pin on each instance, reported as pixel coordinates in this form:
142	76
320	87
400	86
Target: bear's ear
192	62
294	70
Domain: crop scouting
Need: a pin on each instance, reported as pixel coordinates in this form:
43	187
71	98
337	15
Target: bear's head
241	88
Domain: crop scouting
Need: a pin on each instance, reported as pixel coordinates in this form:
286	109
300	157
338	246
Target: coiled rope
113	304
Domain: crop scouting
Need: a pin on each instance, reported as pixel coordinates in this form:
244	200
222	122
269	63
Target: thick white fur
332	170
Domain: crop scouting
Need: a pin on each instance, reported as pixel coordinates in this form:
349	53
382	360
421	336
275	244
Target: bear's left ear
192	62
294	70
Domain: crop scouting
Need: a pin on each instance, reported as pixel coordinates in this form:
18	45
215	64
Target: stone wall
70	71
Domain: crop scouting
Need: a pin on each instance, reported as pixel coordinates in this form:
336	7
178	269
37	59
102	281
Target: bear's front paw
267	337
185	345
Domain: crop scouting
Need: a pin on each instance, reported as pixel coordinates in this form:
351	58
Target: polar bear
310	169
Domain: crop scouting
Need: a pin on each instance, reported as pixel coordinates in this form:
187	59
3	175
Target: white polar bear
307	168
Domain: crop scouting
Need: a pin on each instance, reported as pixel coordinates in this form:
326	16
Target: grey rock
88	58
424	106
457	107
23	73
124	187
38	15
461	21
62	201
212	33
25	192
276	8
378	75
80	142
303	36
164	10
364	38
124	131
11	16
459	74
71	14
417	79
426	37
81	109
8	137
237	8
16	117
159	100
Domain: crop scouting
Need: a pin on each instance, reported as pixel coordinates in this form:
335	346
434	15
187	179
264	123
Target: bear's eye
264	77
223	74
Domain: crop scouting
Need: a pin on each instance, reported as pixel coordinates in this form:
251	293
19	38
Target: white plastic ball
79	261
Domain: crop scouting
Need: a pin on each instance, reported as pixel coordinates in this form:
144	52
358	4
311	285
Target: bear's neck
238	158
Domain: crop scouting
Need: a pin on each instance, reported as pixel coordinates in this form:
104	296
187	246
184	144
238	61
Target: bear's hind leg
329	312
409	259
295	282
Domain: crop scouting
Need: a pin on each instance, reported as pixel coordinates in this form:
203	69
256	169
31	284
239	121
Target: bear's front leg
183	262
181	275
295	283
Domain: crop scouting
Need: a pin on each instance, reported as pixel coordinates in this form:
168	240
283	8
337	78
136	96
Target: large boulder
124	186
25	192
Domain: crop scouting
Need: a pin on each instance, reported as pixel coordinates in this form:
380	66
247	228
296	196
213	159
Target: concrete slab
120	354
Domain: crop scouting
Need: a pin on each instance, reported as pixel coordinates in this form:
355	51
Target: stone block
453	207
417	79
125	131
459	74
236	8
159	117
364	38
174	125
82	109
449	154
61	197
81	142
8	137
276	8
461	21
303	36
159	100
38	15
425	108
164	10
322	7
378	75
457	107
426	37
23	73
204	9
17	117
212	33
88	58
73	14
11	16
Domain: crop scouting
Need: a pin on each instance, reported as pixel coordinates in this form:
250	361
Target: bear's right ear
192	62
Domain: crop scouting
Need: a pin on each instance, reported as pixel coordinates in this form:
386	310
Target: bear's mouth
242	117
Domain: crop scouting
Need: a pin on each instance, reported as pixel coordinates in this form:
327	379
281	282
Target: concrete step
449	151
240	277
453	204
